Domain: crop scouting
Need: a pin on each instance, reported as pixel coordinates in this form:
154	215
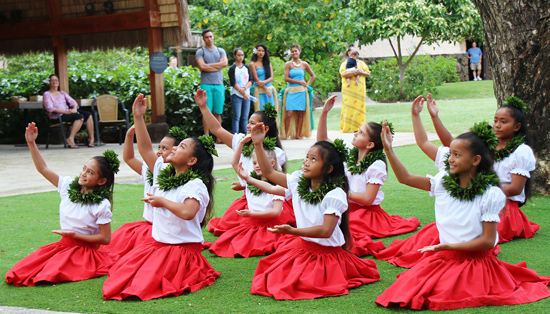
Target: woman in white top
172	263
315	264
366	171
85	219
463	272
231	218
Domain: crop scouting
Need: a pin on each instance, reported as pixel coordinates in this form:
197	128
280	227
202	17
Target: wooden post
154	38
60	62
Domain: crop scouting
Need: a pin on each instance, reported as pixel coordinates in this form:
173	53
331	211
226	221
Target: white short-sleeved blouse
521	162
441	156
307	215
461	221
262	202
168	228
82	219
147	188
375	174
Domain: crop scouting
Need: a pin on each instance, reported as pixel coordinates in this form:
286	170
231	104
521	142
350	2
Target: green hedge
422	75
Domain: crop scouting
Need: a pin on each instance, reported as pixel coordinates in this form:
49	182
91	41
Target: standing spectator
353	104
172	63
211	60
262	72
240	79
476	56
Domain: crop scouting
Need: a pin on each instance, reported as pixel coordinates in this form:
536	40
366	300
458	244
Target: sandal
71	144
90	144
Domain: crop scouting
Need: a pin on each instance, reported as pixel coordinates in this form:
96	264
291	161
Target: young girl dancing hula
231	218
85	219
315	264
172	263
463	272
366	171
132	234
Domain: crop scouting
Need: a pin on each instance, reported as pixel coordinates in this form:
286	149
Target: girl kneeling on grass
315	264
172	263
464	271
85	219
251	237
132	234
366	171
267	116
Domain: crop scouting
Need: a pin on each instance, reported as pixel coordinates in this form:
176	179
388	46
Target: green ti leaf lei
369	159
316	196
92	197
510	147
149	177
168	180
476	186
269	143
254	190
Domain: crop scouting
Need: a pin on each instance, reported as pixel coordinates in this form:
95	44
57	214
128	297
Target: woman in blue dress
262	72
296	97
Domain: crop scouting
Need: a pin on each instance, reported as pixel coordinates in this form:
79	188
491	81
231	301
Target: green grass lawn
27	220
457	109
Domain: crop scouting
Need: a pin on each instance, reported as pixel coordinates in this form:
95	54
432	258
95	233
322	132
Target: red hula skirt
307	270
514	224
460	279
250	238
67	260
128	236
374	222
231	219
404	253
155	270
363	245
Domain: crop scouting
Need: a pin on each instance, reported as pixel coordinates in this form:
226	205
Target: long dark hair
205	163
273	130
105	172
519	117
265	60
331	158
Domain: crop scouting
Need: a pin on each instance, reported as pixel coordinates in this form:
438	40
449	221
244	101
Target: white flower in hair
254	50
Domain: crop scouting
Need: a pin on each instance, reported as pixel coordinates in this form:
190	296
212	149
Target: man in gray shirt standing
211	60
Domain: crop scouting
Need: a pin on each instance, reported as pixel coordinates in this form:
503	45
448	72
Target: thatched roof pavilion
60	25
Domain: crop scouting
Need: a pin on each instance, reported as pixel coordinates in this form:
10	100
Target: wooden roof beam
81	25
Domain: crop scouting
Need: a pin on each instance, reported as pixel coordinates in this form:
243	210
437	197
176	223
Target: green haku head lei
516	103
178	133
209	145
270	111
112	159
341	148
484	131
269	143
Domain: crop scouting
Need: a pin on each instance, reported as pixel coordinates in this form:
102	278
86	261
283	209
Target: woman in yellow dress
353	104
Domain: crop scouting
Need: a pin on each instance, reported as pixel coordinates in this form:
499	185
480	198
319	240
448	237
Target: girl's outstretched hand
432	107
432	248
242	173
281	229
386	136
244	213
64	233
417	105
329	103
201	98
31	132
140	106
258	133
154	200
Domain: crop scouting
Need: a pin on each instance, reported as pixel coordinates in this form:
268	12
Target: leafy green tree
431	20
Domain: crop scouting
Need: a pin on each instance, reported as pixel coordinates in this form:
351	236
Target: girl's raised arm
237	154
442	132
322	134
128	151
31	133
262	185
145	146
402	174
258	135
420	136
213	124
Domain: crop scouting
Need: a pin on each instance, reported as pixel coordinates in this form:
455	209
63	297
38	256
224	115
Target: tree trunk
517	37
